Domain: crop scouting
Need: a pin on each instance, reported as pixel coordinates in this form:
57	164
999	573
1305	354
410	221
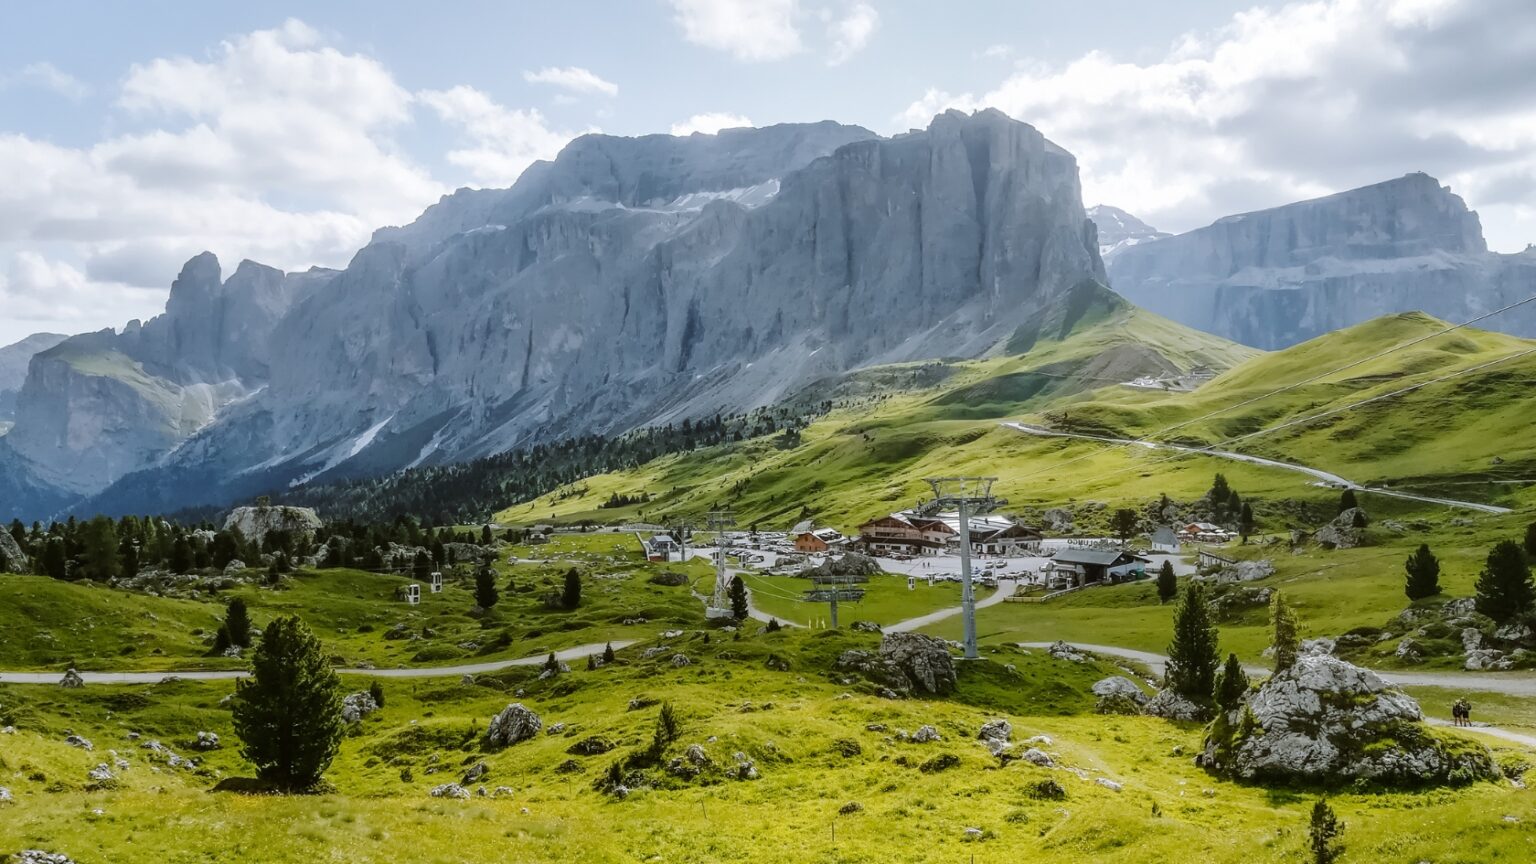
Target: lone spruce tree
1423	574
1231	684
1323	834
1530	541
1167	583
739	607
237	623
1192	656
288	713
570	598
1348	501
1504	589
1287	638
486	594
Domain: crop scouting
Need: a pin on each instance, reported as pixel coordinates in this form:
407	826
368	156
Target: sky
133	136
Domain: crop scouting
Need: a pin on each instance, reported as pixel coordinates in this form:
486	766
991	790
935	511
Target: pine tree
1323	834
181	555
1347	500
1167	583
486	537
421	566
667	730
1192	656
1287	638
1231	684
1245	522
608	653
739	608
1504	589
100	558
1423	574
55	560
486	594
376	693
237	621
570	597
288	712
1530	541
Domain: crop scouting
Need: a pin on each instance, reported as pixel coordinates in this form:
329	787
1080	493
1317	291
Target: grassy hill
836	784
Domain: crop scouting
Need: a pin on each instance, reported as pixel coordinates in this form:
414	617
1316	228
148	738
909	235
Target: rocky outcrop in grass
1324	721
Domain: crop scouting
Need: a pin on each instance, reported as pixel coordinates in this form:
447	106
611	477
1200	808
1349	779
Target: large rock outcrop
636	281
12	559
255	523
1277	277
1325	721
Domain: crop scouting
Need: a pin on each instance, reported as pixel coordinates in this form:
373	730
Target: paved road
1323	476
1004	591
580	652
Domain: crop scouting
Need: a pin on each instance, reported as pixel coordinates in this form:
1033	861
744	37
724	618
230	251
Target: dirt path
1317	474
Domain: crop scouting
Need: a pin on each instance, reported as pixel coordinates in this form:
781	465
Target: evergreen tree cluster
471	491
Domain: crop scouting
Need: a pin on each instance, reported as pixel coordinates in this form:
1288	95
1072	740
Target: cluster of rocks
850	564
38	856
1240	571
905	663
71	680
1454	628
1119	695
1326	721
205	741
1065	651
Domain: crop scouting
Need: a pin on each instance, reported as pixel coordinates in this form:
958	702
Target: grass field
794	724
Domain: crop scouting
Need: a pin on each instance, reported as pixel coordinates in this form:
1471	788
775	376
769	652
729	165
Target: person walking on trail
1461	713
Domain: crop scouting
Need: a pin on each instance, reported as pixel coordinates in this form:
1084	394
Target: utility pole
969	496
720	600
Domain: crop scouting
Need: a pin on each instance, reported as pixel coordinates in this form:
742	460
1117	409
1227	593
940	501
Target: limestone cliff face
1277	277
13	368
101	405
633	281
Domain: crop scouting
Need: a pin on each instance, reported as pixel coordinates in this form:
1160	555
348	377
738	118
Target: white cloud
996	52
49	77
572	78
851	32
750	30
275	147
710	123
1301	100
503	141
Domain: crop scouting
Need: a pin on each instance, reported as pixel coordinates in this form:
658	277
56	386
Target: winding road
580	652
1317	474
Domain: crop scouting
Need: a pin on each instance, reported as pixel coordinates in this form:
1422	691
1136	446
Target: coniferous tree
486	594
100	558
667	730
237	621
1530	541
288	712
1245	521
181	554
1231	684
1423	574
421	566
1287	636
128	557
608	653
739	607
1504	589
55	558
486	537
1347	500
376	693
1323	834
1167	583
1192	656
570	596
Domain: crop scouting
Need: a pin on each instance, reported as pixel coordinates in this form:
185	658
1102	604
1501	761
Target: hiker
1461	713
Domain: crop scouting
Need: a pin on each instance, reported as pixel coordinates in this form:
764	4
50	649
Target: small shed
1164	539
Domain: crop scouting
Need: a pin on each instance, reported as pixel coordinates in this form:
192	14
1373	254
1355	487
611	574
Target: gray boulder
1169	705
358	705
926	734
450	790
995	734
1326	721
1066	651
515	723
71	680
1346	531
1058	520
12	559
256	522
924	660
1119	685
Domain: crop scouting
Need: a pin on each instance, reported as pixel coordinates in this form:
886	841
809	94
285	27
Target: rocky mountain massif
1277	277
1119	229
629	281
13	370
